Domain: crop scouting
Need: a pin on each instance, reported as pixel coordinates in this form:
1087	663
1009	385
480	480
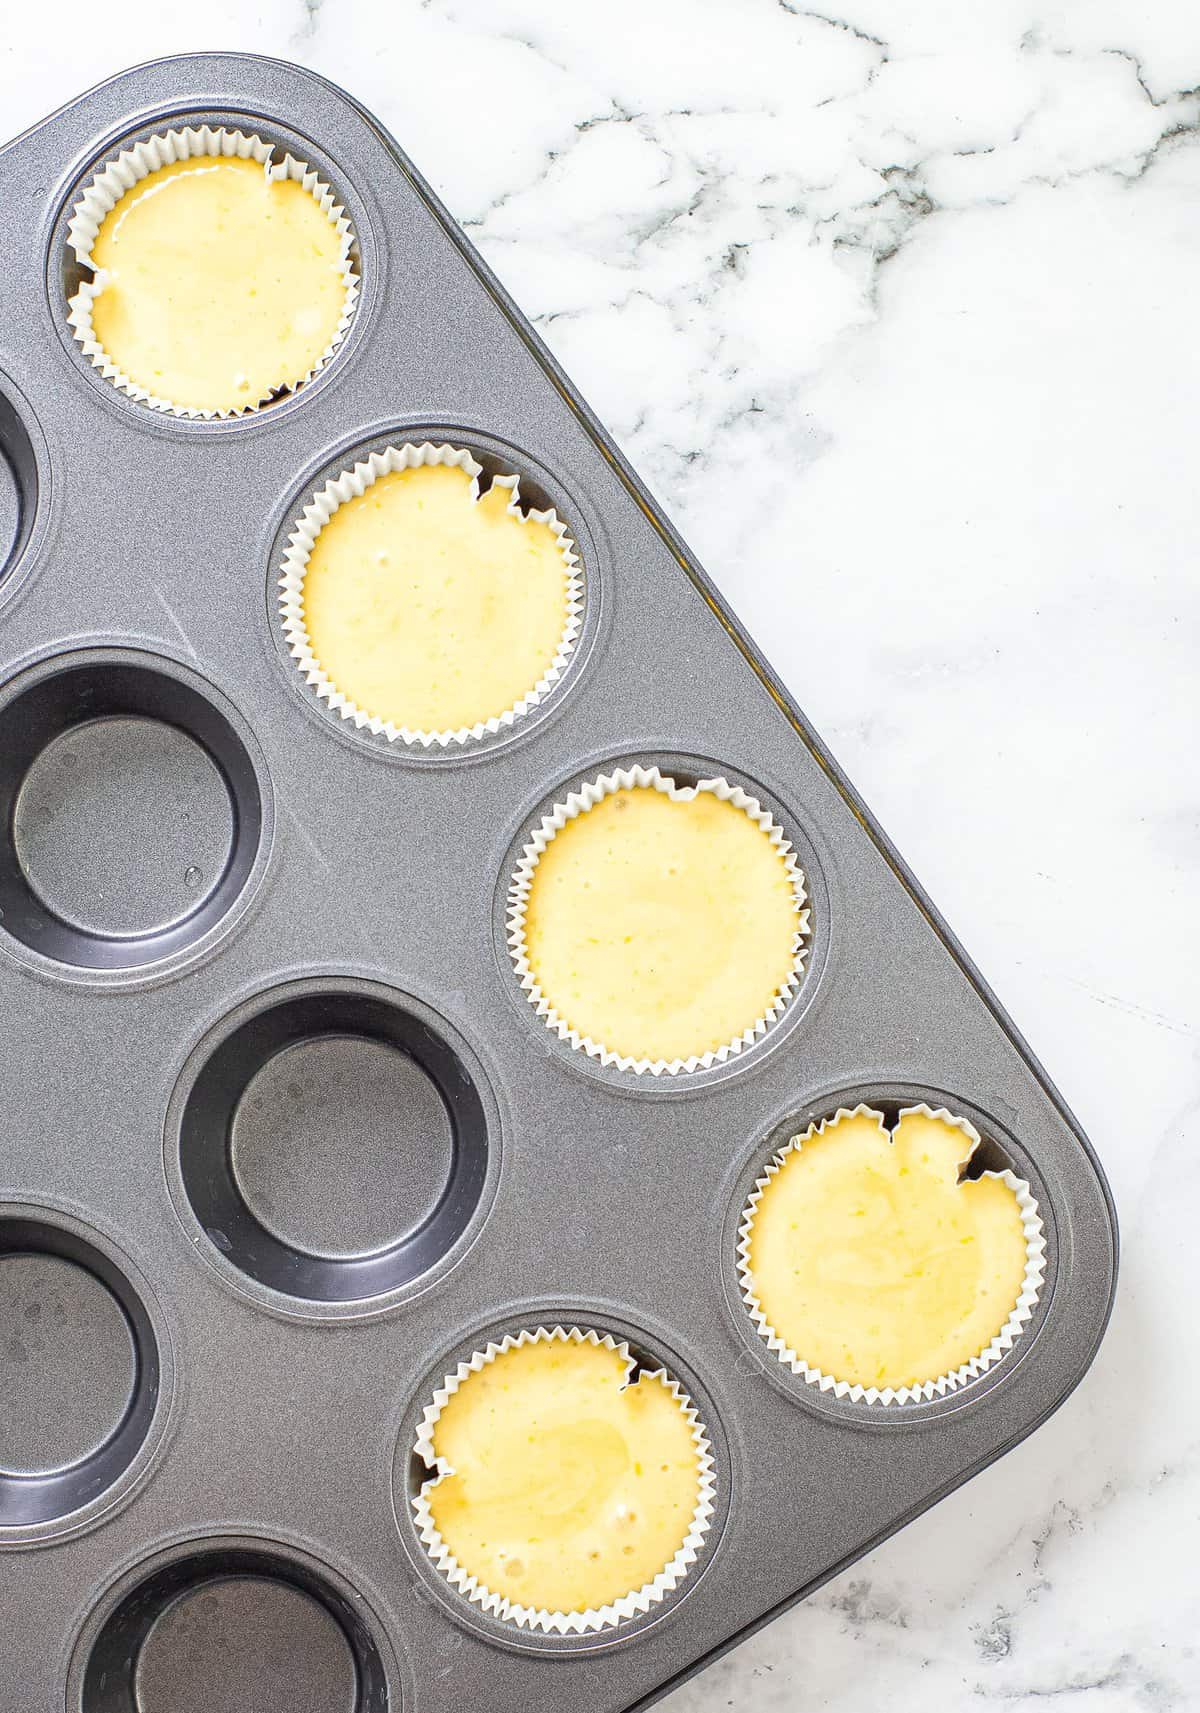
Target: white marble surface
896	310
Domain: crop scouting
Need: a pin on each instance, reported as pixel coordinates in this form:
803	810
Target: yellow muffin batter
570	1488
873	1263
223	286
431	609
661	927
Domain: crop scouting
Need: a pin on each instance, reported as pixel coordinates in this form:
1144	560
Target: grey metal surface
229	1626
366	883
236	1642
341	1145
122	826
70	1365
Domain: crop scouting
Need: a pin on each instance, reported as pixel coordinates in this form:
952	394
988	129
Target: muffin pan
286	1140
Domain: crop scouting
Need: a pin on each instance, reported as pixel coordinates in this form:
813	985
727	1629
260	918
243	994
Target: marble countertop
895	308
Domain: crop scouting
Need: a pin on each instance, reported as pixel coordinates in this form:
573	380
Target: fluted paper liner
638	1601
927	1390
577	803
138	161
352	484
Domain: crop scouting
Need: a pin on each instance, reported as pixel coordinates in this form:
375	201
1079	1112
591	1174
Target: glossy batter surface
223	285
660	927
874	1263
570	1488
432	609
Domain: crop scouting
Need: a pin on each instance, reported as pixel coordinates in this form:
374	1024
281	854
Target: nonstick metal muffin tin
284	1141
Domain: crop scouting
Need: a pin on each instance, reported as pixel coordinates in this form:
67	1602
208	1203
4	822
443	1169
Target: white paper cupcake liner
137	162
638	1601
352	484
1001	1344
577	803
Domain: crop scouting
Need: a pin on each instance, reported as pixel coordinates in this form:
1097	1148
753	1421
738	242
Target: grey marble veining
895	308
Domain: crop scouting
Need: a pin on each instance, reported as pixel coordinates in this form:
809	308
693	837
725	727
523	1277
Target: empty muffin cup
569	1487
423	609
333	1142
80	1373
131	812
234	1627
877	1269
218	272
658	927
18	485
